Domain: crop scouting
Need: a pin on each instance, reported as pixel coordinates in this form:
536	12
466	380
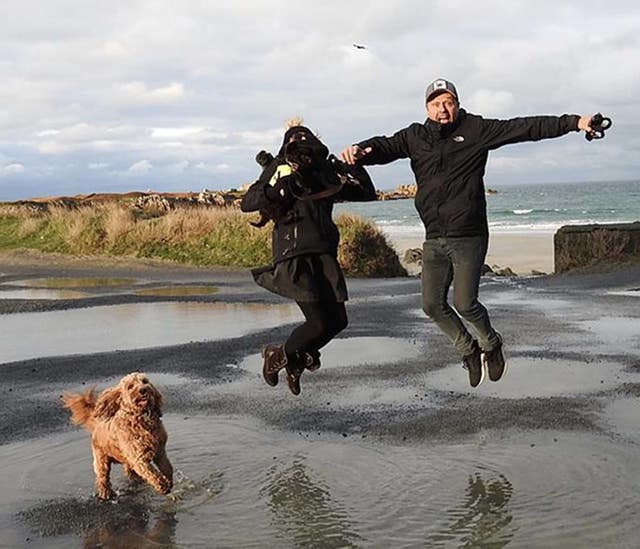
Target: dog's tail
81	406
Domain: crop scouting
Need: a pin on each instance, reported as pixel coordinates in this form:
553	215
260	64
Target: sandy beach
387	445
523	252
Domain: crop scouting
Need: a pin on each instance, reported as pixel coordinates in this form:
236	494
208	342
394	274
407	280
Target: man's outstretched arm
496	133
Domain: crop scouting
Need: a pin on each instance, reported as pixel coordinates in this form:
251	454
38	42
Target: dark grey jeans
458	260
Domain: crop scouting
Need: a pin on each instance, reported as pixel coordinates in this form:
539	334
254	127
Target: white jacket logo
458	138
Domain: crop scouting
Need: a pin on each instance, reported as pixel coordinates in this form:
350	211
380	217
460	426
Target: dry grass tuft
200	235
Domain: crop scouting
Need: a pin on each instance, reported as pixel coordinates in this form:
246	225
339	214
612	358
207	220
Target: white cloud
492	103
97	165
11	169
182	166
141	167
113	48
171	133
212	83
138	92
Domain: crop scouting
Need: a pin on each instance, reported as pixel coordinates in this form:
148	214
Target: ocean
523	208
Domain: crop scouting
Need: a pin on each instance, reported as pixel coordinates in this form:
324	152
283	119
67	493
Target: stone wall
584	245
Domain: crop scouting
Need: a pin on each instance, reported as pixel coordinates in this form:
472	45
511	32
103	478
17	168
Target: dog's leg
155	478
131	474
102	469
163	463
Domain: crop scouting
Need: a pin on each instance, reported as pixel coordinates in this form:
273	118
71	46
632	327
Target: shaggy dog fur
125	426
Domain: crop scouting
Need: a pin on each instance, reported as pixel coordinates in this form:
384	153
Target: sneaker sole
483	371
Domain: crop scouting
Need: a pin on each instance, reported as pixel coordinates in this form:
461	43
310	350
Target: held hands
354	153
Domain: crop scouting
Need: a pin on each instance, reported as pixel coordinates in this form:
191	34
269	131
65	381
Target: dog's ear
109	403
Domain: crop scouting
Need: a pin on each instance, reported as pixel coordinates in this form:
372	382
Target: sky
180	95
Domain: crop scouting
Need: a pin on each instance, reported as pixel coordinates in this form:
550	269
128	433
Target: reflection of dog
125	427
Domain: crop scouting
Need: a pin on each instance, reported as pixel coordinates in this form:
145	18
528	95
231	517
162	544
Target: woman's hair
294	121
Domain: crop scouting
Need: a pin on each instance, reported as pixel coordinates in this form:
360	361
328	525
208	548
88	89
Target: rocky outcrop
585	245
145	201
400	192
408	191
153	202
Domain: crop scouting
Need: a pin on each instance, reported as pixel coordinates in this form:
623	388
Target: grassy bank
194	235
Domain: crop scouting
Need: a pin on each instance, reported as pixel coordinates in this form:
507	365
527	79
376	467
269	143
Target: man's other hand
353	153
584	123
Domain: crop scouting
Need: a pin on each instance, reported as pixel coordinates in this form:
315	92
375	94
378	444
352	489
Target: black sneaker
473	364
494	359
274	360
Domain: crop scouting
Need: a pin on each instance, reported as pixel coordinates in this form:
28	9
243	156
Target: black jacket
303	226
449	163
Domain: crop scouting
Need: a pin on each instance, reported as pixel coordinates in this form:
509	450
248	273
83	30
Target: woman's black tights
323	321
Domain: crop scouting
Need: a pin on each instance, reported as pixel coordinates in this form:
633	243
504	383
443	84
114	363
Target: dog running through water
125	426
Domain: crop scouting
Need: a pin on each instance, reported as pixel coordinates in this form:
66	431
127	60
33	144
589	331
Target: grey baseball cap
439	86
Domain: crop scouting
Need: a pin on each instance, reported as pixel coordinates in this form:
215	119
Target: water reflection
132	326
483	515
68	282
31	293
304	511
129	523
178	291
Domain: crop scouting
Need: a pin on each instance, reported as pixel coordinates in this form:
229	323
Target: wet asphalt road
543	319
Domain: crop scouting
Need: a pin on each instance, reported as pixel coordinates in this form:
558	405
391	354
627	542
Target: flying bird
359	47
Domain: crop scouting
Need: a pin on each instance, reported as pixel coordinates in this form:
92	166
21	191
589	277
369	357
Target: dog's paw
104	493
164	485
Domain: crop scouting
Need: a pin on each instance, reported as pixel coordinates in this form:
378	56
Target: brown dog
125	426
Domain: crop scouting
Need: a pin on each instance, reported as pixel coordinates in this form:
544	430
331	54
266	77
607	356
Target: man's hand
584	123
353	153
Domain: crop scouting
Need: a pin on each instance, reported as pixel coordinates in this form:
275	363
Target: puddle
132	326
161	380
33	293
535	378
622	415
541	489
178	291
633	292
615	331
63	282
528	299
353	351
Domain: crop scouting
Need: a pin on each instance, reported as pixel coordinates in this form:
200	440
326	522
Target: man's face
443	108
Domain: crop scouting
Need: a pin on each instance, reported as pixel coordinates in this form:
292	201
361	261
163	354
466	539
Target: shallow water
36	293
536	378
177	291
542	489
622	416
632	292
132	326
354	351
614	332
70	282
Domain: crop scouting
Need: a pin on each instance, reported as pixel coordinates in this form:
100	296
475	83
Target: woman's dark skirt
304	278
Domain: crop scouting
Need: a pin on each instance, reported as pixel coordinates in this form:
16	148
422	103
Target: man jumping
448	155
